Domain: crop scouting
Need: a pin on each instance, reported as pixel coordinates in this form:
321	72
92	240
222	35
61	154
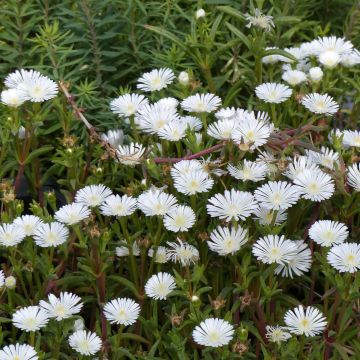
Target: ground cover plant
179	180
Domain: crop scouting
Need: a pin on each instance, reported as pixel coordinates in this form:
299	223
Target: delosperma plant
202	217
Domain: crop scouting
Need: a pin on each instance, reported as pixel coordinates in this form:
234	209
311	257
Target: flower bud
10	282
184	78
78	325
200	14
315	74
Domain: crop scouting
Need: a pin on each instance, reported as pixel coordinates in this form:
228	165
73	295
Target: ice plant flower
2	279
327	233
155	80
259	20
213	332
351	138
345	257
116	205
131	154
294	77
307	321
122	311
268	217
72	214
124	250
200	103
194	182
85	343
92	195
248	171
156	202
12	97
160	253
180	218
114	137
182	252
160	285
353	176
18	352
320	104
11	234
38	89
325	157
50	234
273	92
28	223
30	318
128	104
277	334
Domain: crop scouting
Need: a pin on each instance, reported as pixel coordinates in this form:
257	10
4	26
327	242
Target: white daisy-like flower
299	264
131	154
266	216
193	182
50	234
273	92
307	321
315	185
114	137
271	59
152	118
327	233
213	332
62	307
335	135
225	241
128	104
345	257
180	218
277	195
320	104
248	171
233	204
85	342
38	89
228	113
156	80
173	131
351	59
31	318
92	195
185	167
160	285
222	129
274	249
116	205
72	213
2	279
28	223
353	176
12	97
351	138
259	20
18	352
11	234
168	102
182	252
21	76
122	311
156	202
124	250
300	164
294	77
192	122
200	103
325	157
277	334
160	253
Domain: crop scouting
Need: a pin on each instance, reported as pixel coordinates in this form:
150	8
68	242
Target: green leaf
279	52
244	39
36	153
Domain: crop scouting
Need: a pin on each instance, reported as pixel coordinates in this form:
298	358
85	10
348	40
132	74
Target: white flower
345	257
78	325
299	264
128	104
11	234
185	167
325	157
160	253
351	138
260	20
156	80
38	89
12	97
213	332
315	185
197	181
192	122
329	58
2	279
182	252
116	205
85	343
156	202
92	195
30	318
51	234
122	311
124	250
173	131
307	321
168	102
160	285
114	137
62	307
315	74
18	352
274	249
300	164
320	104
233	204
180	218
271	59
350	59
201	103
294	77
184	78
266	216
273	92
277	334
327	232
131	154
225	241
10	282
222	129
72	213
248	171
228	113
277	195
28	223
21	76
200	13
353	176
